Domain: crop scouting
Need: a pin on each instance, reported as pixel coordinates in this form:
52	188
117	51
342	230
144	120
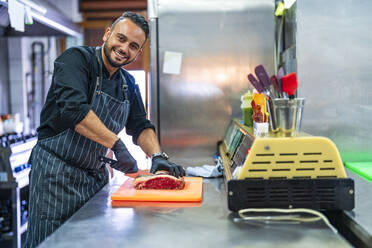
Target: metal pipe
42	79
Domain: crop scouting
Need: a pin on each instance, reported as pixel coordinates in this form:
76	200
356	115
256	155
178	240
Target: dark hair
136	18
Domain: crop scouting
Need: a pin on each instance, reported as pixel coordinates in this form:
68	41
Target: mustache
121	52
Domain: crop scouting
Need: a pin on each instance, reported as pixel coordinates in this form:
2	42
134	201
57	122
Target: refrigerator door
201	53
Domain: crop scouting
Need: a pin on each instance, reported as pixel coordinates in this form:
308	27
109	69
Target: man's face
123	43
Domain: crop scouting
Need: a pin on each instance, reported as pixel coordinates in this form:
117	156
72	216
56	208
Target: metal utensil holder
286	115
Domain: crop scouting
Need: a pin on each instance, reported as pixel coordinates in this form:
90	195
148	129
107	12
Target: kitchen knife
263	77
256	84
133	175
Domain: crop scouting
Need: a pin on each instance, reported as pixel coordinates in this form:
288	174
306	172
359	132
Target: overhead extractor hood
48	22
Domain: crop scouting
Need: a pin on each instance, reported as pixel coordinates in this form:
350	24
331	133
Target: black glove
126	163
161	163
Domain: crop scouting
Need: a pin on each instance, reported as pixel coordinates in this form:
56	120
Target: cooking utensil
289	84
264	78
256	84
192	192
113	162
273	123
280	74
275	83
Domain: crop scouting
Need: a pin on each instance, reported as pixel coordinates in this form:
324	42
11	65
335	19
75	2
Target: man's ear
139	52
107	34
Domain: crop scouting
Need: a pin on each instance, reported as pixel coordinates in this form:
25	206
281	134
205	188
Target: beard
107	51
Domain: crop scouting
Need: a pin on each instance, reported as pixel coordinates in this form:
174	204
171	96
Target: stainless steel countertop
359	221
98	224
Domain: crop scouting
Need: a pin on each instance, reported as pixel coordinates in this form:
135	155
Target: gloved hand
161	163
126	163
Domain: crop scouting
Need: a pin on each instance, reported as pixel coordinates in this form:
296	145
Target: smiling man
91	99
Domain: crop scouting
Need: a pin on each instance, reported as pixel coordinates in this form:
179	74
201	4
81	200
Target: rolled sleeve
71	78
137	120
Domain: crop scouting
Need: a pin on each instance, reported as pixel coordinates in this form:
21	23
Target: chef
91	99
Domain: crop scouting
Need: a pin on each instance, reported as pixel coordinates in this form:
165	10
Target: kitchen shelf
14	184
17	227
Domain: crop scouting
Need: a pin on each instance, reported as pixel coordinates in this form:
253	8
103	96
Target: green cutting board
363	169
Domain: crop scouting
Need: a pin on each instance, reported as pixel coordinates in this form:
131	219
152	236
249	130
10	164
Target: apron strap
124	86
99	79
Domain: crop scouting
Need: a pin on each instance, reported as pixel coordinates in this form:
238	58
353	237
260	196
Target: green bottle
247	108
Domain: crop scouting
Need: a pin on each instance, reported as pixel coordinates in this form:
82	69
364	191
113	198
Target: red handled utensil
275	83
289	84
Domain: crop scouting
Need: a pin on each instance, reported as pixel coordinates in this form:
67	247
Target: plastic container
259	99
247	108
260	129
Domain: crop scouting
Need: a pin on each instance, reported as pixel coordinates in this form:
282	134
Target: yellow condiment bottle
259	99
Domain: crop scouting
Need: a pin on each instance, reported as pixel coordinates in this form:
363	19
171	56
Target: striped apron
65	171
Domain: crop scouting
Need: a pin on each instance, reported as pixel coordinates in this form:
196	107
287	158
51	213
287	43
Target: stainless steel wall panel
154	75
221	42
334	71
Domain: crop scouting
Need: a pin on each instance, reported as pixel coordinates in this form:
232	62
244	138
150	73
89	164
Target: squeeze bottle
247	108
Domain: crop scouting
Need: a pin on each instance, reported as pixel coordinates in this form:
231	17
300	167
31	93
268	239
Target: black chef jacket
70	94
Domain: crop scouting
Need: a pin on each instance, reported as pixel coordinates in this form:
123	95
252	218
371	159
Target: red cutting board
192	192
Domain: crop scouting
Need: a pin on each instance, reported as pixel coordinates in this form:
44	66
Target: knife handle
107	160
